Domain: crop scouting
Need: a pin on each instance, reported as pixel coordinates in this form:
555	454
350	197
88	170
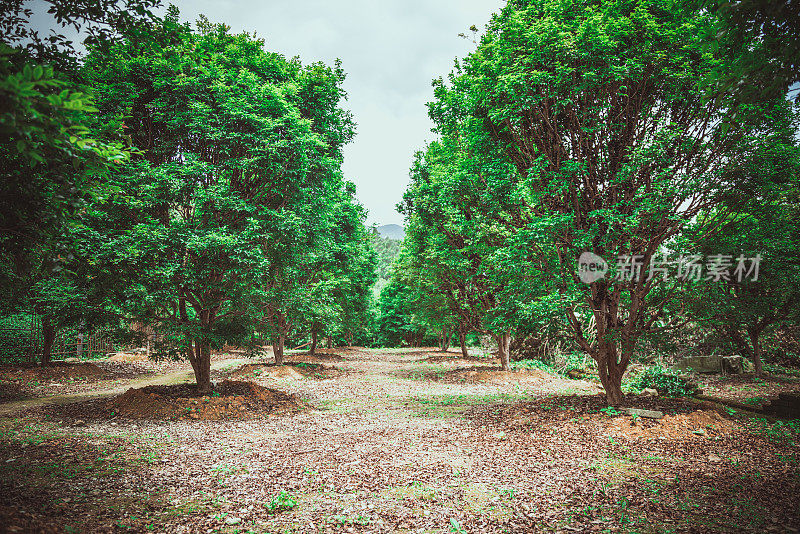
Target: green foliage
667	382
387	251
235	217
533	364
576	127
282	502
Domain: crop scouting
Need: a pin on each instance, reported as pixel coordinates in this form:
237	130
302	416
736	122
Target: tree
56	155
234	140
597	119
757	239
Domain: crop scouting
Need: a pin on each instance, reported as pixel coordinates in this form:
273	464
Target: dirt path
396	444
175	377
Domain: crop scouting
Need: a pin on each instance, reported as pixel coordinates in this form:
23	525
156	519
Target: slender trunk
445	341
48	338
330	342
277	349
503	343
462	338
79	346
759	366
313	348
610	372
202	372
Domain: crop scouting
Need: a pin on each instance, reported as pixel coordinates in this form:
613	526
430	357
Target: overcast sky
390	49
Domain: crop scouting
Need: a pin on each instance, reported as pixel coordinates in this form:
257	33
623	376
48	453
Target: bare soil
389	446
292	370
229	400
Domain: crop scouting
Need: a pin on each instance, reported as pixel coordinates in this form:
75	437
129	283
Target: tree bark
277	349
757	363
202	372
503	343
330	342
313	348
611	373
48	338
445	341
462	339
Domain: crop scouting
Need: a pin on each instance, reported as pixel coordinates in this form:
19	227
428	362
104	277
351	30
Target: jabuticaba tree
232	140
597	128
762	216
453	238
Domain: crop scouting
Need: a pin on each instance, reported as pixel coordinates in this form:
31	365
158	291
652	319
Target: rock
714	458
71	360
650	414
699	432
649	392
700	364
733	365
79	422
233	520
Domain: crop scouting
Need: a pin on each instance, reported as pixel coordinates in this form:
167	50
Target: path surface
392	446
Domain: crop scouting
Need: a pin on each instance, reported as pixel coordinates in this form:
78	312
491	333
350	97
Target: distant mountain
392	231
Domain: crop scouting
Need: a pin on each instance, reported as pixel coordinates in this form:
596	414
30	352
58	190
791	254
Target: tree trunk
503	342
759	366
202	371
445	341
330	342
81	339
313	348
277	349
462	338
48	338
610	373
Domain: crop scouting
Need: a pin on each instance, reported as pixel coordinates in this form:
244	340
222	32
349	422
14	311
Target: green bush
533	364
282	502
664	380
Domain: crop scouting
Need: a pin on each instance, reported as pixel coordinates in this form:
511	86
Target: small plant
610	411
664	380
282	502
455	526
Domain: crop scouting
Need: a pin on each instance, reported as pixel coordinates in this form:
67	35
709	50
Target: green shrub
664	380
532	364
281	502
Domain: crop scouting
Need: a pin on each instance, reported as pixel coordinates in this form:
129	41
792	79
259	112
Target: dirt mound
230	400
318	357
53	371
292	370
492	375
699	424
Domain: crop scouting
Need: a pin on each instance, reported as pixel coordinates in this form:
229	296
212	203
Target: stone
733	365
79	422
714	458
699	432
650	392
700	364
233	520
650	414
